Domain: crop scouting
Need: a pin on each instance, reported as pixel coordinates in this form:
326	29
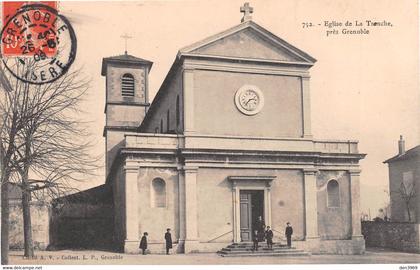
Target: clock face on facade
249	99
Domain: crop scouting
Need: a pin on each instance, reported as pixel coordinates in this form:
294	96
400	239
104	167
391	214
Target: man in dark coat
288	233
269	237
168	239
255	237
143	243
260	226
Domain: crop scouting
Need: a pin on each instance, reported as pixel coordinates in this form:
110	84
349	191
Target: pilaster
236	211
267	203
191	222
306	108
131	209
188	98
311	205
181	207
355	203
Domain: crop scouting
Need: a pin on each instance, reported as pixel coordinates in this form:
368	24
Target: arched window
127	85
161	125
177	111
158	194
333	190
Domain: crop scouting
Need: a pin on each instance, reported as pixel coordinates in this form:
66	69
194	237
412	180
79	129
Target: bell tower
127	99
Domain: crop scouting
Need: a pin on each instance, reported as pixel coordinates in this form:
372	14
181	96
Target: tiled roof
127	57
411	153
124	58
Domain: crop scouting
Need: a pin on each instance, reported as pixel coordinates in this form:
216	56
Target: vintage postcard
210	132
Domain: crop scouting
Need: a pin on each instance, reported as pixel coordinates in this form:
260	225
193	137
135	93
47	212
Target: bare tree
51	149
10	117
407	193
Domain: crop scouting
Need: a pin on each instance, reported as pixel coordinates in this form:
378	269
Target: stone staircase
245	250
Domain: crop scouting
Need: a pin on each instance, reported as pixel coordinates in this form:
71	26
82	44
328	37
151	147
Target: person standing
255	238
269	237
143	243
168	240
288	233
260	226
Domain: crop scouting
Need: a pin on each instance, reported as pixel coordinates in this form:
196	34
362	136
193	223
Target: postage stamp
36	22
38	44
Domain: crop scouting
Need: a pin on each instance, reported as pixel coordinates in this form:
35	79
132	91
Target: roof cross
126	37
246	9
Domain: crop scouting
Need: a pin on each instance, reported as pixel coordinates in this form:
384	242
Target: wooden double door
251	208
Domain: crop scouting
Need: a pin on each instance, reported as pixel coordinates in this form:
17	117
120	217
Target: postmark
43	41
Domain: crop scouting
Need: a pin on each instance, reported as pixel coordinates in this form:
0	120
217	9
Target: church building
226	140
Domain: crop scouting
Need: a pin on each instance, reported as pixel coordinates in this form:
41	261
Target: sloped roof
98	194
409	154
124	58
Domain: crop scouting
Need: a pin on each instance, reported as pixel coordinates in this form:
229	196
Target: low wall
83	220
82	225
40	226
396	235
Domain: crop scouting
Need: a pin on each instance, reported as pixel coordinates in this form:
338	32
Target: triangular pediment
249	41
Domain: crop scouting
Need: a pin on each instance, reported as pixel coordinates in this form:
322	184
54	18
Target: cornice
251	67
223	58
252	177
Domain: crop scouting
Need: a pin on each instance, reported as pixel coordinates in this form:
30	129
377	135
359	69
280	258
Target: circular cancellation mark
38	44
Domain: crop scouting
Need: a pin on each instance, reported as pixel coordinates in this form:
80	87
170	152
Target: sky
363	87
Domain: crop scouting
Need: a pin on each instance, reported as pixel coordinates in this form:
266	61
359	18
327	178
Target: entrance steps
245	250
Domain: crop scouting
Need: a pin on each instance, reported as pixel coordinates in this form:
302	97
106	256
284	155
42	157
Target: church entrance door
251	208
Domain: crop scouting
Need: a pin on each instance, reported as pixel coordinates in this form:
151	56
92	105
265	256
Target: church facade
226	140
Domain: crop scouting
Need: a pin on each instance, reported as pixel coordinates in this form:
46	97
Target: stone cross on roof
246	10
126	37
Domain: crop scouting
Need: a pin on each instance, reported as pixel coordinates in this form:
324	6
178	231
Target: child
269	237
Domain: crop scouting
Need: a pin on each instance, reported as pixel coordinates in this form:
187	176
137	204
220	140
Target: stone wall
39	219
82	225
83	220
395	235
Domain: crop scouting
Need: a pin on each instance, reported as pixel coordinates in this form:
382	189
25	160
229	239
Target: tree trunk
26	209
4	208
4	223
408	212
